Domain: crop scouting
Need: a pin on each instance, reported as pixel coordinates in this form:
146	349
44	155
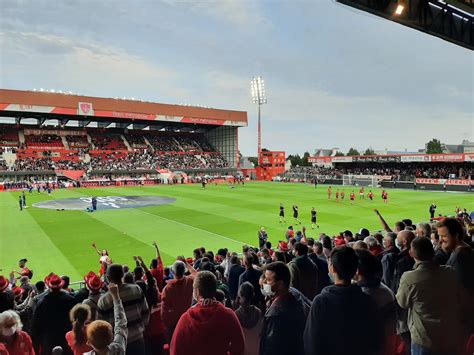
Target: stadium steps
148	144
179	145
129	148
21	136
9	158
89	139
65	143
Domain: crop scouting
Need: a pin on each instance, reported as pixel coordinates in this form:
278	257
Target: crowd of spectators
409	291
77	141
8	137
44	140
107	142
399	172
150	161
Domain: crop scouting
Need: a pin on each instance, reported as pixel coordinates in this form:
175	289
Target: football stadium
142	226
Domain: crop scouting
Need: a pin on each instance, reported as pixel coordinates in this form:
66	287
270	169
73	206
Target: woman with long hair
104	260
80	316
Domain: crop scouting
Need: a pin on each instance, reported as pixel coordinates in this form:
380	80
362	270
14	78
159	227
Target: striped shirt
136	310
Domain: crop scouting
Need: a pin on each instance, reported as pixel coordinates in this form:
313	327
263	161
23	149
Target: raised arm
191	270
142	264
96	250
382	220
119	344
304	240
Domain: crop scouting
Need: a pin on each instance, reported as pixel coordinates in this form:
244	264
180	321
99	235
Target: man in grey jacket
435	300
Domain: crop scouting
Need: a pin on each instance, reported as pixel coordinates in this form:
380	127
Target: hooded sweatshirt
342	321
208	328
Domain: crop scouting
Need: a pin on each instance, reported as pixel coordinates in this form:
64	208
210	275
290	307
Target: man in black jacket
284	321
343	306
252	275
304	273
236	269
51	317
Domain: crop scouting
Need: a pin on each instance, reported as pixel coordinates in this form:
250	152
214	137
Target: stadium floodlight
399	10
41	89
257	86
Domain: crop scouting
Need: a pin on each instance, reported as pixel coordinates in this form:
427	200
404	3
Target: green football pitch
216	217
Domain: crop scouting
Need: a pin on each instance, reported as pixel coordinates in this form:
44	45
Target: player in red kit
329	192
352	196
337	196
361	193
384	196
371	195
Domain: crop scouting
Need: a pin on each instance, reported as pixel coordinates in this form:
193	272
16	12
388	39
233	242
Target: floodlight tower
258	97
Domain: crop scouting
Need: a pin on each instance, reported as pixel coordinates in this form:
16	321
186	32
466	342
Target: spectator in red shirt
24	271
157	269
13	340
208	328
177	296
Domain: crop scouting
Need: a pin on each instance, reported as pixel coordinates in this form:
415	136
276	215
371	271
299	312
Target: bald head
404	239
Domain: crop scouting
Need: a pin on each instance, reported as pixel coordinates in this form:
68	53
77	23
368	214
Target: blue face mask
331	277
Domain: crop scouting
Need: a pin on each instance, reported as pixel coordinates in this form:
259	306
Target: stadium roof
16	103
451	20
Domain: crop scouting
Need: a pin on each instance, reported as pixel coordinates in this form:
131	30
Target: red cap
17	291
53	281
93	281
190	261
3	283
283	246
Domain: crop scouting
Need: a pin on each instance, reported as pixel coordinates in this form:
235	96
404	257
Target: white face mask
8	332
398	244
267	290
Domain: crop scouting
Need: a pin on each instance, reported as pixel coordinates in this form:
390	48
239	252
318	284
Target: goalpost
357	180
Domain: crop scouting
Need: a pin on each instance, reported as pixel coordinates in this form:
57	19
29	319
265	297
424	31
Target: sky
335	77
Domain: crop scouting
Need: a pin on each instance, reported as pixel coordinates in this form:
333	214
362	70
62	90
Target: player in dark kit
21	203
432	211
23	197
313	218
282	213
203	183
94	203
295	214
315	183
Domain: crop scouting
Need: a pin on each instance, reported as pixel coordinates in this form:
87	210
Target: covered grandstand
84	138
451	20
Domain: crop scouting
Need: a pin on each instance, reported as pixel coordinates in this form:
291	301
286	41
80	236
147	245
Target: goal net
358	180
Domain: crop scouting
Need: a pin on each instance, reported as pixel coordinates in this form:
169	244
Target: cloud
245	14
91	68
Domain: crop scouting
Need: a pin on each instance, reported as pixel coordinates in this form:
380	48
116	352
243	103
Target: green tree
434	147
339	154
305	161
369	151
295	160
254	160
352	152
